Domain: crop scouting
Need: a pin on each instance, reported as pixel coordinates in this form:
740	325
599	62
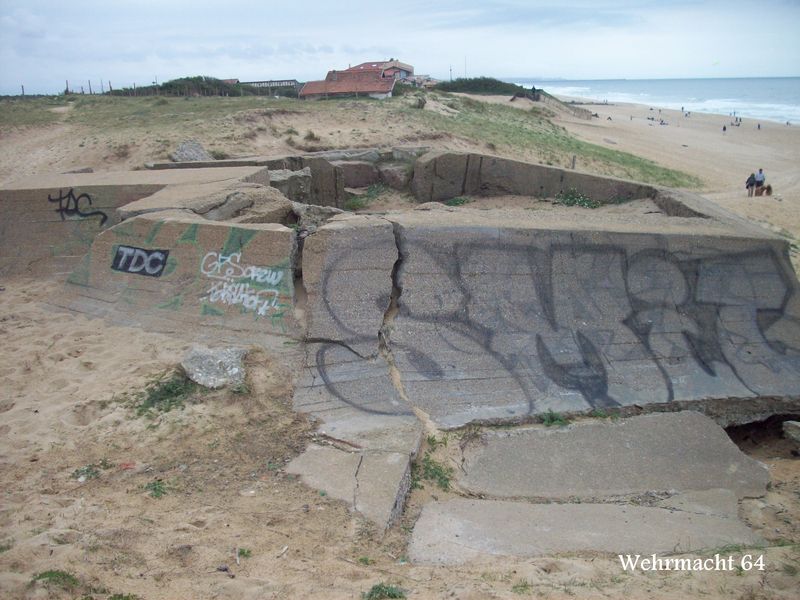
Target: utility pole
101	86
451	72
23	90
90	87
66	89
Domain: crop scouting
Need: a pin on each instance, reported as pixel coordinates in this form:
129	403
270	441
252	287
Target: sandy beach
65	391
722	160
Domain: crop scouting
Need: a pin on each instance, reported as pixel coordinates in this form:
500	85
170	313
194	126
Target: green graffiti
207	309
237	239
124	230
153	232
190	235
173	304
169	268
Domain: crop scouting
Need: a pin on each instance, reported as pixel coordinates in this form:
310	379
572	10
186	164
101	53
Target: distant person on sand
750	184
760	178
724	129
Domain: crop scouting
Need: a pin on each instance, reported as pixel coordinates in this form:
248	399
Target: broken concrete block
358	173
190	151
460	530
215	368
295	185
347	272
396	175
601	459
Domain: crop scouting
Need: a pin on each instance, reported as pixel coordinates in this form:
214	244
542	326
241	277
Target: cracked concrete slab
721	502
347	273
461	530
598	459
373	483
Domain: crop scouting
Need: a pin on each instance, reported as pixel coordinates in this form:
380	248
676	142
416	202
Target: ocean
768	98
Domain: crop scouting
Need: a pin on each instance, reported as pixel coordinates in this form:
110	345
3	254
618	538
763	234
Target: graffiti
256	289
69	205
577	325
227	267
139	261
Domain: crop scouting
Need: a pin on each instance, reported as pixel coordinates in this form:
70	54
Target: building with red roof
373	79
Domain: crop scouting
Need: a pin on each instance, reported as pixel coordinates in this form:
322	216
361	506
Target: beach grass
524	134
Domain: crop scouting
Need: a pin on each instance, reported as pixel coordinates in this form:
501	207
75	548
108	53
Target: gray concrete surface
599	459
461	530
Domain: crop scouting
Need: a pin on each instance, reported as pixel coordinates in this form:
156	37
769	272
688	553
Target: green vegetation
245	553
30	112
572	197
165	393
551	418
382	591
522	586
86	472
310	136
479	85
61	579
457	201
218	154
124	597
201	86
365	560
6	545
157	488
504	128
429	469
372	193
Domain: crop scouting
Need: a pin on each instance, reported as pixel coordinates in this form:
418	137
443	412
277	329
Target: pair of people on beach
755	182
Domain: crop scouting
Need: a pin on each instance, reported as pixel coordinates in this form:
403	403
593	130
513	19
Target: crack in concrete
355	476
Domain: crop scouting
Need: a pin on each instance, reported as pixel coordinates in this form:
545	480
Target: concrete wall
174	273
442	175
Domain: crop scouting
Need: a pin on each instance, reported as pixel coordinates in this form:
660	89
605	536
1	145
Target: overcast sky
43	43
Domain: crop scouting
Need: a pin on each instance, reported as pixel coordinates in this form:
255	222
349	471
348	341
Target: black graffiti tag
70	205
139	261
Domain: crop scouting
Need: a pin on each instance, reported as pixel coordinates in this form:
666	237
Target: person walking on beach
750	184
760	178
724	129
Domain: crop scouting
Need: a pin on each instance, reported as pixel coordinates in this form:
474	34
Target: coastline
698	145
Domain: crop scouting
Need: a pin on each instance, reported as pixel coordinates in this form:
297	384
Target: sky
44	43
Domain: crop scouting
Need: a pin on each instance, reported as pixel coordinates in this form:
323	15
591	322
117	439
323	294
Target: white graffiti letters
251	287
227	267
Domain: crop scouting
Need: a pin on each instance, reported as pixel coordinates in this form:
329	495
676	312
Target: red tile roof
350	82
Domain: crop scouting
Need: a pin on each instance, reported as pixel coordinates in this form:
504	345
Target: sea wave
722	106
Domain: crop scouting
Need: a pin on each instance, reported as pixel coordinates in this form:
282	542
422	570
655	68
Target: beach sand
67	384
723	161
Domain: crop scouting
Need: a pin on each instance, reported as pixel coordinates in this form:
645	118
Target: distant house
390	68
373	79
230	81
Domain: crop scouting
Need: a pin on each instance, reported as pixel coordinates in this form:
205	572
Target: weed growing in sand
310	136
156	488
219	154
435	442
372	193
165	393
241	389
431	470
124	597
523	586
551	418
61	579
245	553
6	545
381	591
457	201
86	473
291	131
572	197
365	560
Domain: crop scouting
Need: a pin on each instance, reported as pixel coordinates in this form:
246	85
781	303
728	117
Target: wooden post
23	90
90	87
66	89
573	162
